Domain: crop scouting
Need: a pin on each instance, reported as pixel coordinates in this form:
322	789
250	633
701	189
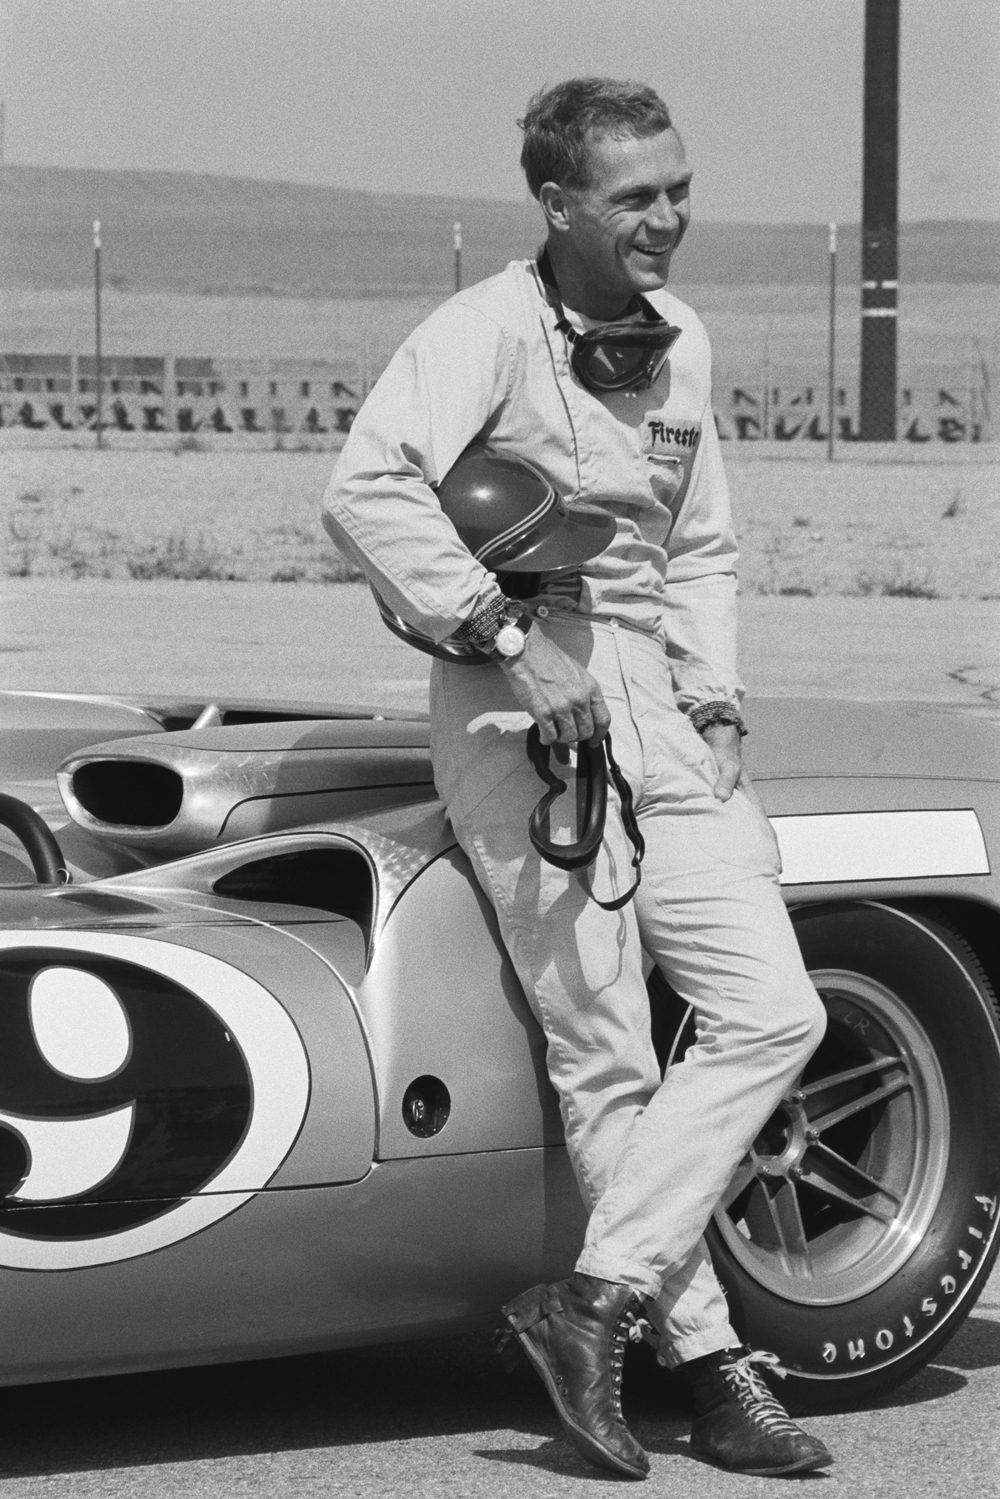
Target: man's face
623	227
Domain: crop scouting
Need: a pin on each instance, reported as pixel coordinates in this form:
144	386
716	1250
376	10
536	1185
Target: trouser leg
711	913
582	971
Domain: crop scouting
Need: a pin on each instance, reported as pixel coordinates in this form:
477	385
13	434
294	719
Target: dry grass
899	529
250	516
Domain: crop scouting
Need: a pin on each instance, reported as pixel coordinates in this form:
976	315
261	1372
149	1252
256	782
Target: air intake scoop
180	792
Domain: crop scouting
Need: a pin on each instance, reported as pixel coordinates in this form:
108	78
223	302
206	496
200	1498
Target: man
639	640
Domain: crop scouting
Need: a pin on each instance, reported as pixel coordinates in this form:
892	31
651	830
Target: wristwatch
508	642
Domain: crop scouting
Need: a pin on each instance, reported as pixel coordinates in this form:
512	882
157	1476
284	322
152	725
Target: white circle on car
79	1024
97	1017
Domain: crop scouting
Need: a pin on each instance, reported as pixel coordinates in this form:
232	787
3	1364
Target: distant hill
179	231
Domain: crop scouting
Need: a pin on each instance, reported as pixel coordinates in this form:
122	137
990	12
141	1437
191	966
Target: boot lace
630	1328
756	1401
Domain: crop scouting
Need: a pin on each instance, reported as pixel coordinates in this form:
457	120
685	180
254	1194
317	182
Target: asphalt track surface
310	641
441	1418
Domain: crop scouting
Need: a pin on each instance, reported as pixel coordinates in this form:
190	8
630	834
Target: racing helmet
513	522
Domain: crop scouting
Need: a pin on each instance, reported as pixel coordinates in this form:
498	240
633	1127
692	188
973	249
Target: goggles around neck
595	766
613	356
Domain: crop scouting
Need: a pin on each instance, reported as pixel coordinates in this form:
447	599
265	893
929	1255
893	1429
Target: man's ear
555	206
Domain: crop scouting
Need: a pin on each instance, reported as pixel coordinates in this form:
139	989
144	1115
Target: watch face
509	641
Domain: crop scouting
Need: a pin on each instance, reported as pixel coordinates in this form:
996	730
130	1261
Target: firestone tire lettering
895	1245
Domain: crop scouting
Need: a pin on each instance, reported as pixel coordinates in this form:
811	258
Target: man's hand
561	696
723	739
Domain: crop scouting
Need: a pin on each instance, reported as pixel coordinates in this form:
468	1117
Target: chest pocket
666	475
669	447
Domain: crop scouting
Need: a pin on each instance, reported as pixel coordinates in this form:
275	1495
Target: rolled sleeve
441	389
700	592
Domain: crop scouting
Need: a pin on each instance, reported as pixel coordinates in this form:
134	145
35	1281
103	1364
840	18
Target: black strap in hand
594	763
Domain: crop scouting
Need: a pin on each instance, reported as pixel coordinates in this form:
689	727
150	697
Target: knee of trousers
806	1021
789	1021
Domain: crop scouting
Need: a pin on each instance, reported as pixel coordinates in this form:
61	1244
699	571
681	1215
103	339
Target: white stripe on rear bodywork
835	846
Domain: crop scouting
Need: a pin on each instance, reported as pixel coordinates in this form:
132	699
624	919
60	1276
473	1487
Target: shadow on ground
389	1393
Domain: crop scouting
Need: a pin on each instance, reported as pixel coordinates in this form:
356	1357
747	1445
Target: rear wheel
857	1234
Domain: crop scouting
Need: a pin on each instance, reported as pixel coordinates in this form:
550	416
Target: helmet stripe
503	543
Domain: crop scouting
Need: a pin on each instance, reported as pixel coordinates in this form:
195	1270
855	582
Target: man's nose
663	215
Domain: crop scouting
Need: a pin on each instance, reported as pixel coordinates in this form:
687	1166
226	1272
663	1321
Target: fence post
98	370
833	344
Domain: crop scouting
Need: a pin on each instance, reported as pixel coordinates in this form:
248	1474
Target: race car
268	1083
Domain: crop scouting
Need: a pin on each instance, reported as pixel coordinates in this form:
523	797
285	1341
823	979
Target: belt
588	617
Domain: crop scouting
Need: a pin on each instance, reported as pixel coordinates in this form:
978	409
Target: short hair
561	120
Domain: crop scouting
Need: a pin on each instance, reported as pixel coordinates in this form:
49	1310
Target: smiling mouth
654	250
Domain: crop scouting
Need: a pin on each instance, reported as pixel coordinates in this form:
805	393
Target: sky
422	96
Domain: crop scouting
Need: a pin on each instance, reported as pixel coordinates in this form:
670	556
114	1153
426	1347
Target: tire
857	1235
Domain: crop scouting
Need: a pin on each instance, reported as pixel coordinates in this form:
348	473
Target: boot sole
804	1465
584	1443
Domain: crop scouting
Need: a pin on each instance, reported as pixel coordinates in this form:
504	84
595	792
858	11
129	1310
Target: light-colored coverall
653	619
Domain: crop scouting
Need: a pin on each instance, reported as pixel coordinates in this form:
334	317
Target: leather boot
574	1334
739	1425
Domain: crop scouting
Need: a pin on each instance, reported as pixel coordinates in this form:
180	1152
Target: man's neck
579	293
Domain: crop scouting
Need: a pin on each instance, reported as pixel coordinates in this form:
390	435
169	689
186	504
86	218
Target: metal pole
833	343
458	257
880	223
98	370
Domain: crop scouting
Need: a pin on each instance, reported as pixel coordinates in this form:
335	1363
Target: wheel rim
842	1182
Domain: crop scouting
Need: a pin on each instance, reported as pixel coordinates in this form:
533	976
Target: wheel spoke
861	1101
837	1079
848	1173
783	1200
774	1220
837	1178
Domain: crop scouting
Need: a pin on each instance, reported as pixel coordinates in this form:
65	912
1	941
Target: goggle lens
622	356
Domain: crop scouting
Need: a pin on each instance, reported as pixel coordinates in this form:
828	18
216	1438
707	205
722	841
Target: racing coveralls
653	619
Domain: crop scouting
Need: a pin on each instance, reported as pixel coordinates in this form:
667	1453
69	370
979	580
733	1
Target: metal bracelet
703	715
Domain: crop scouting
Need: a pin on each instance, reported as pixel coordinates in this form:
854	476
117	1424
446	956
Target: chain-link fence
296	366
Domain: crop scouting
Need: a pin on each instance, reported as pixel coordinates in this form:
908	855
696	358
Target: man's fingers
601	718
724	742
726	784
559	726
561	696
